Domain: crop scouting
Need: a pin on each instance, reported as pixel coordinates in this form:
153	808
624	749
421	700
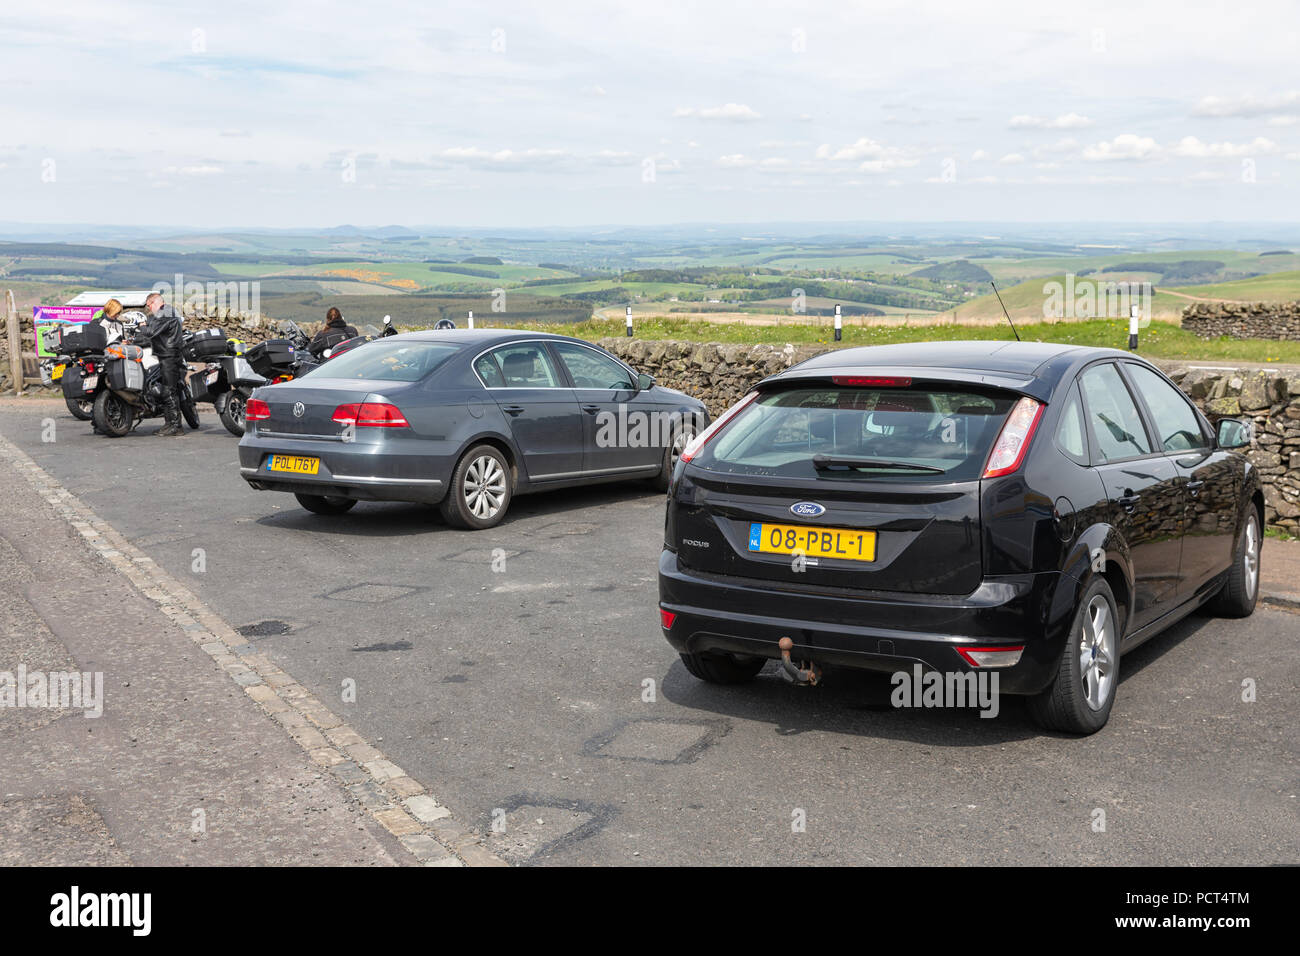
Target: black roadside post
1132	328
629	321
839	334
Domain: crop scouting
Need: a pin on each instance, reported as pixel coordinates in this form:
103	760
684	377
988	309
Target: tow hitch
808	675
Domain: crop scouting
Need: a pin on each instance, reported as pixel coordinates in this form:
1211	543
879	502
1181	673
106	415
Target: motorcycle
134	389
282	359
78	368
225	378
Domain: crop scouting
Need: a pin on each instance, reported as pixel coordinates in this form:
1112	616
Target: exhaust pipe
805	677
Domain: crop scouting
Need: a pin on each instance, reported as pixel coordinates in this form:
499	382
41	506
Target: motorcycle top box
206	344
266	357
86	339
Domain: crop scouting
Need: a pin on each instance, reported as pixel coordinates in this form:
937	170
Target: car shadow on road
857	702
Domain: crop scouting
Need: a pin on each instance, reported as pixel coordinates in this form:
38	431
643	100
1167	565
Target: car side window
1116	425
489	371
1070	436
590	369
525	365
1177	426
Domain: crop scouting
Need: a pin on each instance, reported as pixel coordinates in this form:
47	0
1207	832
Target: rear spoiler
1031	386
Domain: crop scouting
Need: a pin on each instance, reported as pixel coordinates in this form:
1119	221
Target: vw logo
807	509
299	410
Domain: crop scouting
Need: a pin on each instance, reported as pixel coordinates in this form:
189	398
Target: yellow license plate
56	373
847	544
293	463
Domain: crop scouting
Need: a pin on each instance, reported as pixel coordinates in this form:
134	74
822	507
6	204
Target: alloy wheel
1097	653
484	487
1250	557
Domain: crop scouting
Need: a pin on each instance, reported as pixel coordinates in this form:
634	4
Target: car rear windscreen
934	434
390	361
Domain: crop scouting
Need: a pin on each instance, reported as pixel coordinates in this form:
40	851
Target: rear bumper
366	472
872	630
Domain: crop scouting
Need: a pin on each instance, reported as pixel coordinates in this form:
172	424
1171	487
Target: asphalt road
517	694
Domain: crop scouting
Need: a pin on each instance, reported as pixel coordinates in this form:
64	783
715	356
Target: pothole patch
264	629
372	593
660	740
526	828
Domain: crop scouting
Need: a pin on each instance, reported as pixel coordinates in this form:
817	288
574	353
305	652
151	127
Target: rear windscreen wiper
823	462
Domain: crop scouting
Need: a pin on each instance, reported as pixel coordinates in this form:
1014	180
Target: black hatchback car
1032	508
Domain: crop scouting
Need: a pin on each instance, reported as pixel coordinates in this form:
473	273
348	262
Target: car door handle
591	409
1130	501
1195	486
512	409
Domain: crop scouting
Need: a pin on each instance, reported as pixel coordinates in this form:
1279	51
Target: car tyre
480	490
1079	699
326	504
723	668
682	436
1241	589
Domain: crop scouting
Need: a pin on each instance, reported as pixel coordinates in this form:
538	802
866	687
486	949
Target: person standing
164	332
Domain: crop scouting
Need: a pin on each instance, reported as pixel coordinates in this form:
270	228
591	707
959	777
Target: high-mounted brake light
991	656
256	410
1013	441
871	381
370	415
702	439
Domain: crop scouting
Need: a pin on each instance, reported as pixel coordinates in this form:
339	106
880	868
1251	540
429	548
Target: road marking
395	800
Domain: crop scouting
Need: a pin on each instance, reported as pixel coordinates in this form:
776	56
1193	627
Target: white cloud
1191	146
979	156
733	112
1010	159
735	161
874	157
1283	120
1126	146
200	170
1064	121
1247	105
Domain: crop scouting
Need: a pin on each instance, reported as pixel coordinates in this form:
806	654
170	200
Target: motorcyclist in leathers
164	332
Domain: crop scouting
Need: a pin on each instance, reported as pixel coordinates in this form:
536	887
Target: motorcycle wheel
188	408
113	417
230	409
82	409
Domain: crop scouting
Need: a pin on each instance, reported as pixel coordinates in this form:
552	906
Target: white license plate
89	382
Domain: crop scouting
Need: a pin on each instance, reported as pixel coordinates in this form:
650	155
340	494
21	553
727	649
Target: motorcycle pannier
266	357
74	385
84	339
199	386
206	344
124	374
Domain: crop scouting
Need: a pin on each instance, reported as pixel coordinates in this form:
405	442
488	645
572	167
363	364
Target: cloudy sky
561	113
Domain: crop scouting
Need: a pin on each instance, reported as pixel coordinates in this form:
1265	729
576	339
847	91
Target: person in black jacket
336	330
164	332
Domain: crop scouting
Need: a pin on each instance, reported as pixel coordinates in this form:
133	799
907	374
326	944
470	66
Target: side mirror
644	381
1235	433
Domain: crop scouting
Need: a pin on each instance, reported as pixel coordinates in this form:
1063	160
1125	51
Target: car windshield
390	361
934	434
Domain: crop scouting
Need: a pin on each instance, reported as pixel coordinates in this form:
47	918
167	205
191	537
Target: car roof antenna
1004	310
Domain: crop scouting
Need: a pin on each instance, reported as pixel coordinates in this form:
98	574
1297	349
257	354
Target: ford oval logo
807	509
299	409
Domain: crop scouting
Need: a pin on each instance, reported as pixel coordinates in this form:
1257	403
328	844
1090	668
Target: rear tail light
666	619
987	657
1014	439
370	415
256	410
702	439
871	381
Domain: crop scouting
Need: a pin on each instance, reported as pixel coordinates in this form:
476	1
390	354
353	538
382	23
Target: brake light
666	619
370	415
256	410
702	439
871	381
1013	441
